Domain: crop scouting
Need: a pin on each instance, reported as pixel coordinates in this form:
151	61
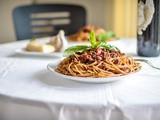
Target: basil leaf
92	39
110	34
94	44
74	49
105	36
107	46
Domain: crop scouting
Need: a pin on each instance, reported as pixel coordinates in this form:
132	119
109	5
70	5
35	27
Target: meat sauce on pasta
97	63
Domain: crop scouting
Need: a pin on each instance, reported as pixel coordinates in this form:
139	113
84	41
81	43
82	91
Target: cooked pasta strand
113	64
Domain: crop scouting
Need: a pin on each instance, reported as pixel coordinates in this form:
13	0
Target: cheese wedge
40	47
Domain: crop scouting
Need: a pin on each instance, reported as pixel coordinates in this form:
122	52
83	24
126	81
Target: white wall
96	10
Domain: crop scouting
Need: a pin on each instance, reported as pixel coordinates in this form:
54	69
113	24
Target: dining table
29	91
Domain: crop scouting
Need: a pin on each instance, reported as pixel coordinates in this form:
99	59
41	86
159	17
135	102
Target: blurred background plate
24	52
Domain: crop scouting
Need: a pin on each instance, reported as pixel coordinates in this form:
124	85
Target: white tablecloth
28	91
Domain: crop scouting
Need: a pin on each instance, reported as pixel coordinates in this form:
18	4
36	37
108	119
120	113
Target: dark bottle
148	44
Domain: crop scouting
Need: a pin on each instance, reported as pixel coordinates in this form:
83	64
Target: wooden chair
40	20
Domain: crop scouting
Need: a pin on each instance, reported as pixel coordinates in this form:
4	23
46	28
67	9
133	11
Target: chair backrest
40	20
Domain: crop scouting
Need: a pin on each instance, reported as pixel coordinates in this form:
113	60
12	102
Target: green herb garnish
106	36
79	48
94	44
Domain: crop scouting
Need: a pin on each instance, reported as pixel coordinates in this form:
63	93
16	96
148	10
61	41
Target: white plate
24	52
51	67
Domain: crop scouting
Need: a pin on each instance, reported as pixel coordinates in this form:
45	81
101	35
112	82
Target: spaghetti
98	63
